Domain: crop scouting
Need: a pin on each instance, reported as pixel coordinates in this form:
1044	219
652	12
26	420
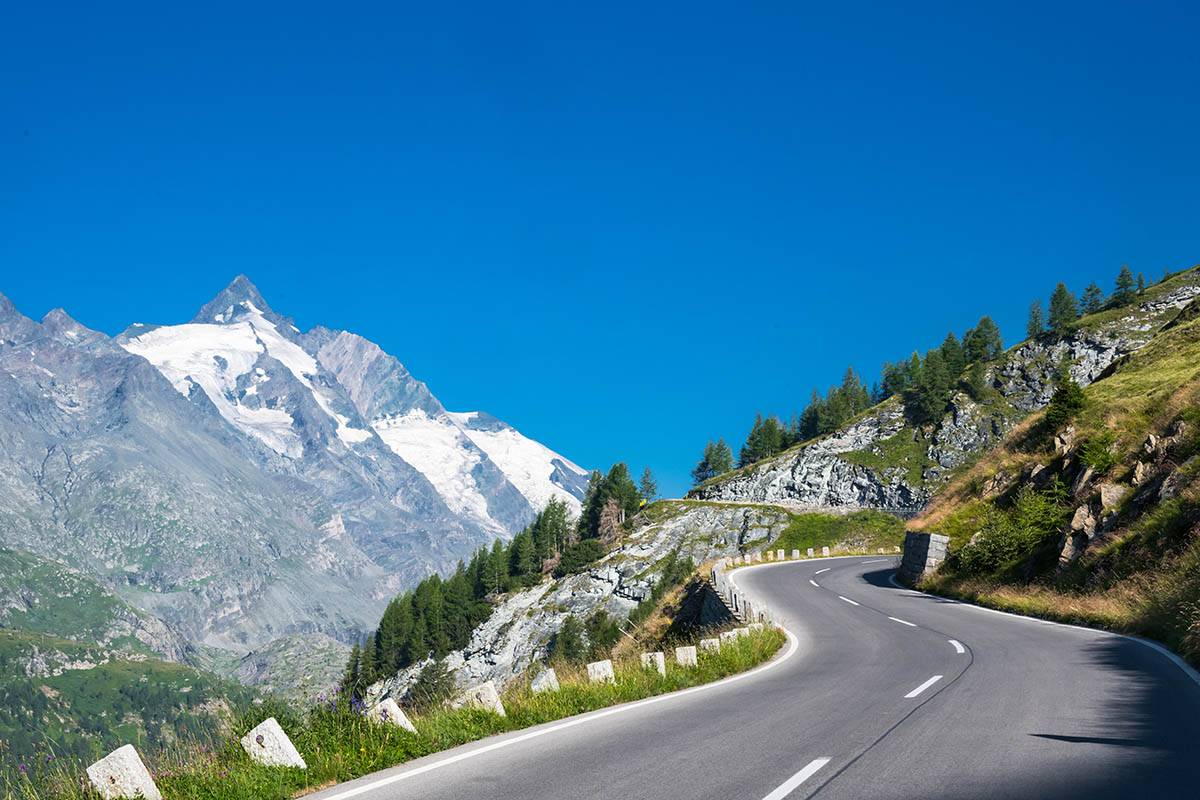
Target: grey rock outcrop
843	469
520	628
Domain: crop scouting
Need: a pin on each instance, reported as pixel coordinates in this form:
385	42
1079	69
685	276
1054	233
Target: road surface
882	693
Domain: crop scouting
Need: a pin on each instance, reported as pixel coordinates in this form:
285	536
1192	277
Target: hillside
881	459
1097	521
233	481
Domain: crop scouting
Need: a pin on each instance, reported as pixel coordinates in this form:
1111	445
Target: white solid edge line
814	583
958	648
789	786
848	600
923	687
818	572
793	646
903	622
875	561
1174	658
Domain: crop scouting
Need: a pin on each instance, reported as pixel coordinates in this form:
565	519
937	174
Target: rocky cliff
881	460
522	625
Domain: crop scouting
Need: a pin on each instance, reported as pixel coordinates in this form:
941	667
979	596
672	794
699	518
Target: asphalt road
883	692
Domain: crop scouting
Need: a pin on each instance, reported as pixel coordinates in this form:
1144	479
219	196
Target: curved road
884	692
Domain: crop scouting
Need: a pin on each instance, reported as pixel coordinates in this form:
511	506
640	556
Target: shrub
1097	452
567	645
1067	402
1008	536
578	556
433	685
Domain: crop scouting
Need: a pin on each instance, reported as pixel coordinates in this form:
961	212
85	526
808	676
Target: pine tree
722	458
1063	310
983	342
1093	299
648	486
1141	284
351	683
810	418
523	560
953	355
496	575
1124	293
1035	326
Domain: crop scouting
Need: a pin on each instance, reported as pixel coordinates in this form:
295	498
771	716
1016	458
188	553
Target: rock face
521	627
237	481
858	466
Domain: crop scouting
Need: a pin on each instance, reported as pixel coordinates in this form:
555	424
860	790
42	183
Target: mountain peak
238	296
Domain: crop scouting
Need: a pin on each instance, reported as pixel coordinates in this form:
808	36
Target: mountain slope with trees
936	413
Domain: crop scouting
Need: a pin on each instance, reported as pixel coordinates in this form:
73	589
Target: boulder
1064	441
121	774
269	745
1141	473
484	696
686	656
710	644
1084	521
545	682
388	712
1111	495
1081	481
655	661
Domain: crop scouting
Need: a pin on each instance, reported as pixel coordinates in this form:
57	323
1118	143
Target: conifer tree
1063	310
352	677
648	486
1093	299
1035	326
722	458
983	342
954	355
496	575
1141	284
1125	291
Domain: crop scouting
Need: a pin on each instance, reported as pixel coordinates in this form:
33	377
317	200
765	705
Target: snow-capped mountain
243	480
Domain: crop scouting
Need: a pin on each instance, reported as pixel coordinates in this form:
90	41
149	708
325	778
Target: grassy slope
862	530
339	744
59	698
1144	576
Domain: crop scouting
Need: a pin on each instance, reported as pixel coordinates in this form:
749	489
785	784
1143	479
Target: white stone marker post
710	644
483	696
601	672
770	555
546	682
824	551
269	745
388	712
795	554
655	661
686	656
121	774
810	552
729	636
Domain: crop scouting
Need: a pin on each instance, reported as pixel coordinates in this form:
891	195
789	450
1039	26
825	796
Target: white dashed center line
958	648
848	600
902	622
800	777
818	572
814	583
922	687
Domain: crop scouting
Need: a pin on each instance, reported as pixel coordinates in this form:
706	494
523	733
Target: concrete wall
923	553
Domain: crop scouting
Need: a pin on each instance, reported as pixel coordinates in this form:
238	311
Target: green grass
904	451
861	530
340	744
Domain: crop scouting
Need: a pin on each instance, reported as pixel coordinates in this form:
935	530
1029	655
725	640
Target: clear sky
623	230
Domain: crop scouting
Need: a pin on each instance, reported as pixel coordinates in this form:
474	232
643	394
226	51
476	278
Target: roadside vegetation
340	744
1089	512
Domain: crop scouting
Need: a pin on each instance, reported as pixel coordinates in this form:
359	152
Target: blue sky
624	230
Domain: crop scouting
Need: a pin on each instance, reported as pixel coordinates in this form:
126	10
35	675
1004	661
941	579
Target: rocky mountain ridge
228	478
881	461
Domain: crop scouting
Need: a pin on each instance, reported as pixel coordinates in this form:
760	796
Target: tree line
439	614
1065	308
925	383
